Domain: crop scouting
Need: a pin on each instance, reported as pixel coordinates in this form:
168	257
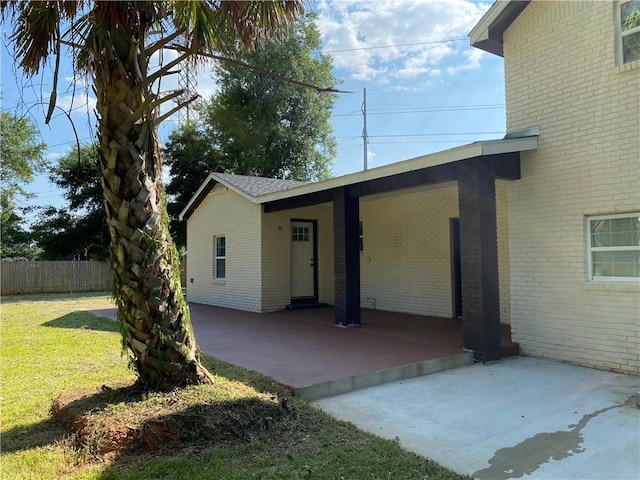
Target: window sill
626	67
219	281
604	286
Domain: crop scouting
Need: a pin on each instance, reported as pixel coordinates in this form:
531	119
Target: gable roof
256	186
488	33
247	186
282	189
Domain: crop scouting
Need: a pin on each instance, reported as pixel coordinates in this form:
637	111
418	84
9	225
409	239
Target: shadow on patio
305	351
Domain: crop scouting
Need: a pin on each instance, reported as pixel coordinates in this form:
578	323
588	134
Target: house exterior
540	229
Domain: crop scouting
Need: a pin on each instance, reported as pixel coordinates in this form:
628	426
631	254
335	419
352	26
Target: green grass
50	347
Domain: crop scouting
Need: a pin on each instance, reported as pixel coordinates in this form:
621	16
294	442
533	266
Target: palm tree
113	42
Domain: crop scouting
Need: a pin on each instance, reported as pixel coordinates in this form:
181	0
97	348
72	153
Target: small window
614	247
220	258
361	236
629	30
300	234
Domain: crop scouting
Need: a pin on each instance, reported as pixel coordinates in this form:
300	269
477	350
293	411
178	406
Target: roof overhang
488	34
211	181
433	168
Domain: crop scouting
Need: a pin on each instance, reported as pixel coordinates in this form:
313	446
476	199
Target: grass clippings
128	420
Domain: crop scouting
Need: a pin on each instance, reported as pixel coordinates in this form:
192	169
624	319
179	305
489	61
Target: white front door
302	260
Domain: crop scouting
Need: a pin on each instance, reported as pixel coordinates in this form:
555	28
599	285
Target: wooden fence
48	277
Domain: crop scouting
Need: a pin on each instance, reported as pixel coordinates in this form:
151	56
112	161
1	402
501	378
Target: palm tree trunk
152	313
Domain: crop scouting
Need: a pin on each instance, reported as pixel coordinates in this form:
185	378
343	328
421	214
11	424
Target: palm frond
221	25
35	34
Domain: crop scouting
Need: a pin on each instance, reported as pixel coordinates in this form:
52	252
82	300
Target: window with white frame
220	258
629	30
614	247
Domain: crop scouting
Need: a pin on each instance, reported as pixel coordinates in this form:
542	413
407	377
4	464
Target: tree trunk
152	313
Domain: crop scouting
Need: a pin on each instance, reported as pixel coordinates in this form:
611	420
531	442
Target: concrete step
393	374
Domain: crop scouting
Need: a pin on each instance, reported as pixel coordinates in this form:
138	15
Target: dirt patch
127	420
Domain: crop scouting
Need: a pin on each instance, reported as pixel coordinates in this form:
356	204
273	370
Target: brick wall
561	75
276	259
406	237
406	262
225	213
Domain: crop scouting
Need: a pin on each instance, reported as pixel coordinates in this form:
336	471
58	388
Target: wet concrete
518	418
527	456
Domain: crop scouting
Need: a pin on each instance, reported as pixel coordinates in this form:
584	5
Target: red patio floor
303	347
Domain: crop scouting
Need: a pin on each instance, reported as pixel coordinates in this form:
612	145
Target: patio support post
346	235
479	258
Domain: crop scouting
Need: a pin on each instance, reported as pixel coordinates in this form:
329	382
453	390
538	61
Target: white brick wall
561	75
405	266
406	262
225	213
276	258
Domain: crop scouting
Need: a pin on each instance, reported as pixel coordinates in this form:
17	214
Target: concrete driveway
518	418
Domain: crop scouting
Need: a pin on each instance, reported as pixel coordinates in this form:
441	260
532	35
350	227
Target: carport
475	168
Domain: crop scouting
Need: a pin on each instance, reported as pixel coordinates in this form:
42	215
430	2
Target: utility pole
365	136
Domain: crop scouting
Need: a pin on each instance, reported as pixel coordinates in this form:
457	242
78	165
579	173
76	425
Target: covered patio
304	350
419	236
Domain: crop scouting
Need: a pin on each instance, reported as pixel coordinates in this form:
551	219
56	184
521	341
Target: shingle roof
256	186
263	191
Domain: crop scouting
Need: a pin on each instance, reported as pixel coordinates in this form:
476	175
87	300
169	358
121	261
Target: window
629	25
300	234
614	247
220	258
361	236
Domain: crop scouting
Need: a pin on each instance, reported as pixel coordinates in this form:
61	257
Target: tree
264	126
190	156
113	42
78	230
22	158
22	154
258	124
15	241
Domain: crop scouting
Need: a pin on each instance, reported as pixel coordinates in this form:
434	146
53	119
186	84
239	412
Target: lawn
243	427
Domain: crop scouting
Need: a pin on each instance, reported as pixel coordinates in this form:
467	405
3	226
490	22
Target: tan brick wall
561	76
276	259
406	262
225	213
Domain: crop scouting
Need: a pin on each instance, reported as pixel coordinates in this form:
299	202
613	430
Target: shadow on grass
35	435
83	320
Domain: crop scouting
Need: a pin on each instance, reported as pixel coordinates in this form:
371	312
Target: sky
427	90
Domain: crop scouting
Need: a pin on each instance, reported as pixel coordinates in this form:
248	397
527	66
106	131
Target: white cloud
415	30
53	157
473	61
77	103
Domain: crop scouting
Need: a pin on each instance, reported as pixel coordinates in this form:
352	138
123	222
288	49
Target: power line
424	142
434	42
453	108
443	84
400	135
